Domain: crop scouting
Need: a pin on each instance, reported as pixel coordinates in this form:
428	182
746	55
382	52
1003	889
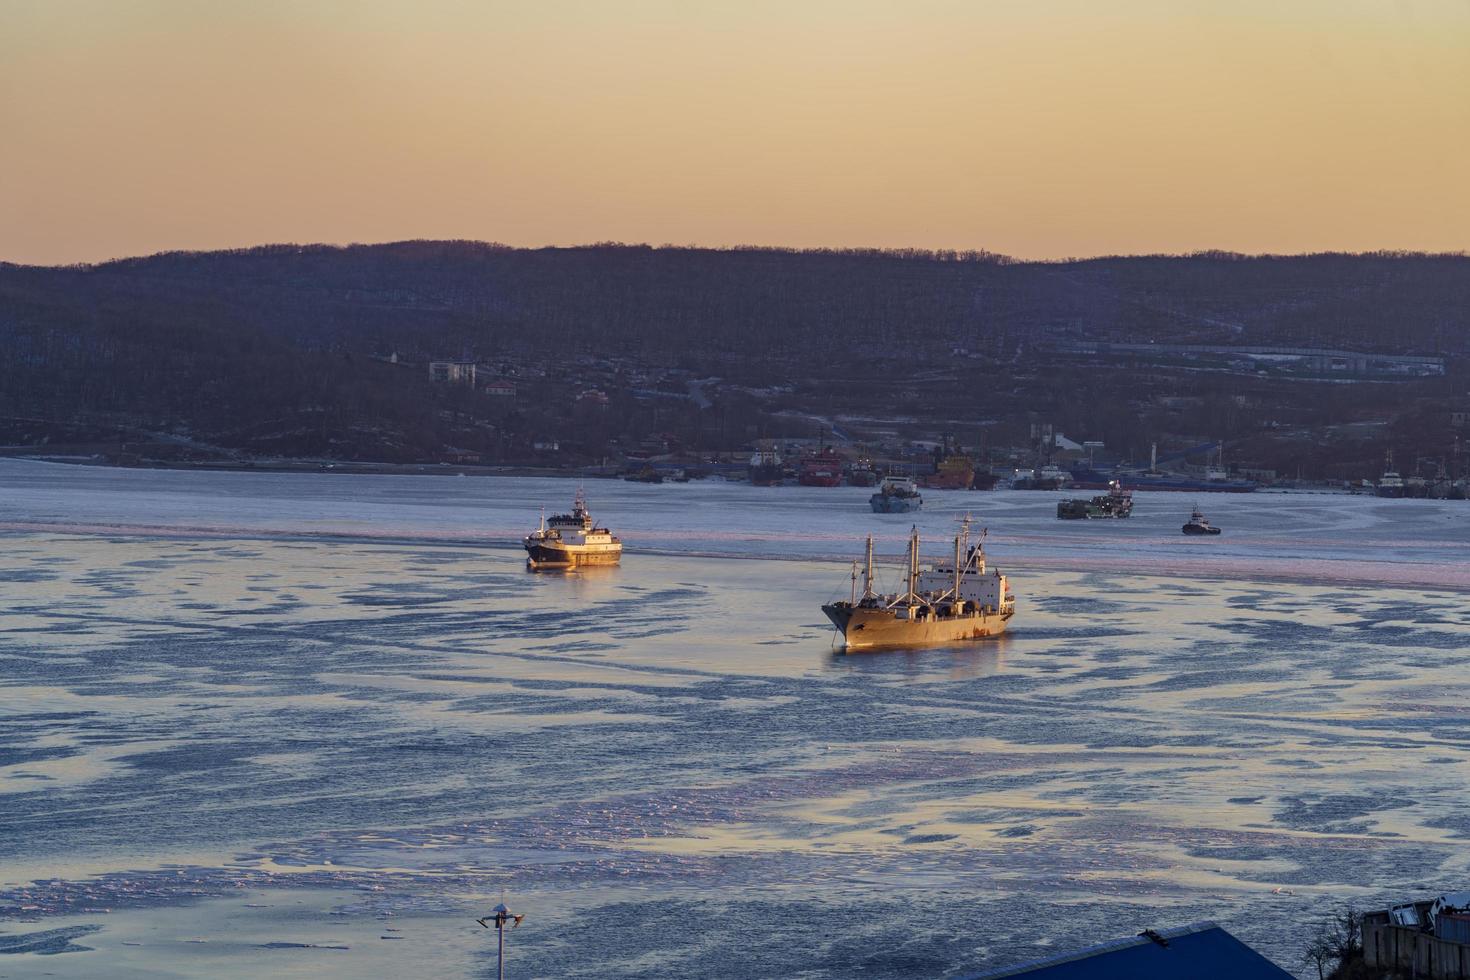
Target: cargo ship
945	603
953	472
765	468
860	473
1117	502
1049	477
646	475
897	495
1216	481
823	469
569	540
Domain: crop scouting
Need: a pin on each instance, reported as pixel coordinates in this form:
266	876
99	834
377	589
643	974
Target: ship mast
957	567
913	563
868	570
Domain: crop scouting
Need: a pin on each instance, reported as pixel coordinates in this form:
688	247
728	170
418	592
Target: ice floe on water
249	718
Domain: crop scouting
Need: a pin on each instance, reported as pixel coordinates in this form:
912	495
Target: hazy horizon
1039	132
919	250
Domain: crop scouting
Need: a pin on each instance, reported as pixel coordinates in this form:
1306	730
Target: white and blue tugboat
897	495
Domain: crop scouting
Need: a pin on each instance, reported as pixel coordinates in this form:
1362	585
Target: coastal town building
1425	939
452	372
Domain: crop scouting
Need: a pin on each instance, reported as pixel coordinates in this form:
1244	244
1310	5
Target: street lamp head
500	915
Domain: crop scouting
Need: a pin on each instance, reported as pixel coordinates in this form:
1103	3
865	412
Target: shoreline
282	465
371	468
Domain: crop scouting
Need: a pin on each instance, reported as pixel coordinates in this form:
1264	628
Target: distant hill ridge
237	341
457	292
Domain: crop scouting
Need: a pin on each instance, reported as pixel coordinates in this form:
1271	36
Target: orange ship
953	473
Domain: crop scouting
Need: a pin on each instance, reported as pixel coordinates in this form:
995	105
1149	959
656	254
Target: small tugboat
1117	502
1198	525
945	603
568	540
897	495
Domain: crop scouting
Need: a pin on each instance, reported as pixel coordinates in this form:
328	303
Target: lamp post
500	915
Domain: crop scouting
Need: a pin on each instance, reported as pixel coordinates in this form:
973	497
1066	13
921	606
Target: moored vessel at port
646	475
944	603
1087	478
823	469
1216	480
860	473
1117	502
897	495
1049	477
953	472
765	468
1390	484
569	540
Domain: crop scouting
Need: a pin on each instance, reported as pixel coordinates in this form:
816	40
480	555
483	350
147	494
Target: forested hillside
286	346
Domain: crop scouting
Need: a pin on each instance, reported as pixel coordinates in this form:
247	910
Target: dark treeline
289	336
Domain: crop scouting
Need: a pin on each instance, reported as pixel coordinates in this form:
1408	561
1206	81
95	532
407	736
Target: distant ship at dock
1091	479
765	468
822	469
1216	479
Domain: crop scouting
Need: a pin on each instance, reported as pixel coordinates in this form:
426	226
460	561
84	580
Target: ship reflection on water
963	661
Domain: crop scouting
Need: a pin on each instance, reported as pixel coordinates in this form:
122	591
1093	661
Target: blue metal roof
1202	951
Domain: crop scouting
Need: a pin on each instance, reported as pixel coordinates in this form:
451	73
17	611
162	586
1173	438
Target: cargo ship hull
961	479
820	478
887	503
569	540
898	495
883	629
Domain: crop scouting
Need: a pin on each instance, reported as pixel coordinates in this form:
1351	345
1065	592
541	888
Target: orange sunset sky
1039	129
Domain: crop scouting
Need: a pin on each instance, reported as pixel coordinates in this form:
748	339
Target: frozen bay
314	724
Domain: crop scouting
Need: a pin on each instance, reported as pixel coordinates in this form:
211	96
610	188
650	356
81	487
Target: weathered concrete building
1429	940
